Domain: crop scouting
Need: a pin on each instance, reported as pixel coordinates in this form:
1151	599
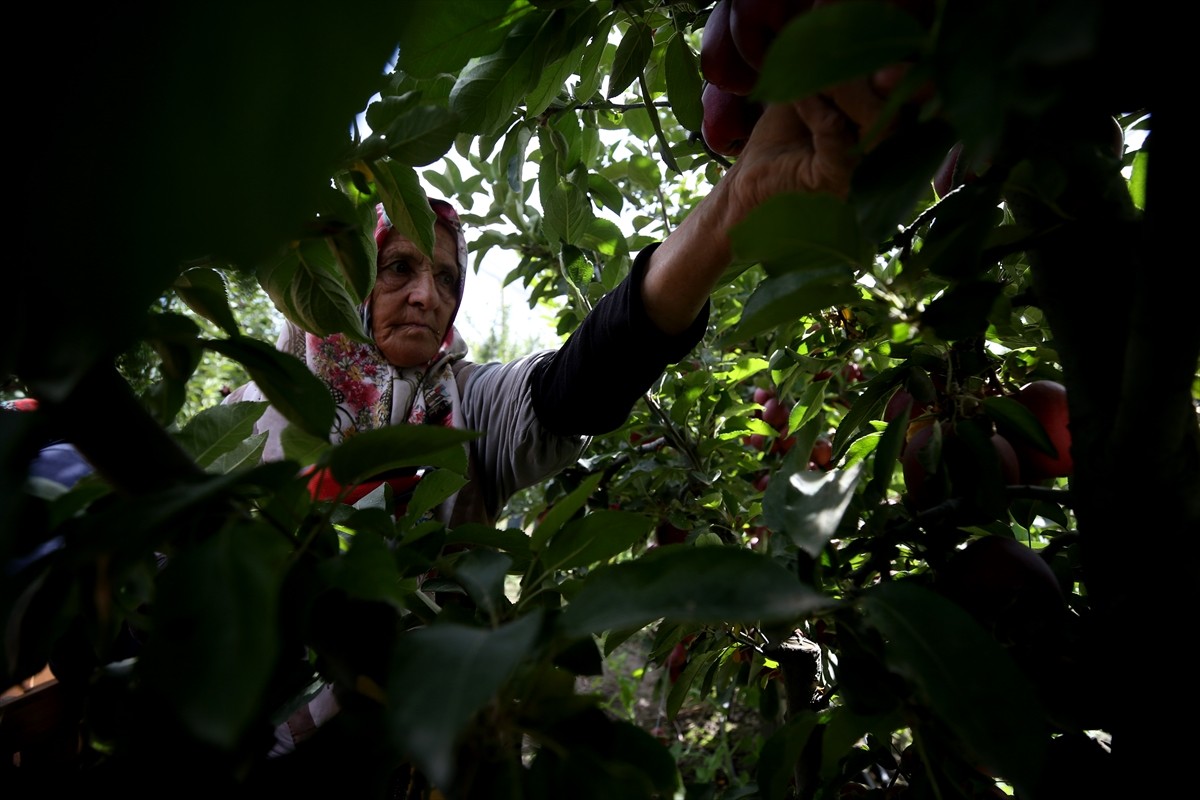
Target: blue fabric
60	463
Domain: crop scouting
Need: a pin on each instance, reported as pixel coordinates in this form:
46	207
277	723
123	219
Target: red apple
1009	589
720	62
728	120
775	413
762	394
898	401
677	661
822	451
666	533
955	471
783	444
1048	402
852	373
754	24
944	180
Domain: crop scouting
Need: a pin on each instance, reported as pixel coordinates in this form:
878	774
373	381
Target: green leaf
697	665
606	238
865	409
305	283
481	572
406	203
1017	423
552	83
808	506
440	37
684	83
962	675
513	541
367	571
285	380
247	453
963	311
204	291
964	223
590	73
557	515
1137	179
219	429
421	136
567	213
436	485
835	43
302	447
459	669
780	752
575	268
689	584
633	52
595	537
374	452
782	300
797	231
491	86
216	634
605	192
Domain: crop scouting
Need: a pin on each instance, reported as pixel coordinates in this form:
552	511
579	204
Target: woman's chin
409	353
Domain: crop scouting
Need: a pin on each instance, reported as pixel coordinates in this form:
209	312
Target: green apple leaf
835	43
442	37
285	380
374	452
459	669
799	231
405	201
216	633
689	584
780	752
421	136
684	83
633	52
558	514
961	675
305	283
204	291
219	429
596	537
808	506
787	298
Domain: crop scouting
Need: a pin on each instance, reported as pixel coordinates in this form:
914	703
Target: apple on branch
720	62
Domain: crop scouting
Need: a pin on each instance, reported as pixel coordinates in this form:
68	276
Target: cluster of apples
932	476
735	41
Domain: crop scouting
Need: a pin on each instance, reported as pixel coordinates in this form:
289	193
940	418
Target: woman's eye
447	280
401	266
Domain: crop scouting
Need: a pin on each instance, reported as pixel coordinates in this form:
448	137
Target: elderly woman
536	413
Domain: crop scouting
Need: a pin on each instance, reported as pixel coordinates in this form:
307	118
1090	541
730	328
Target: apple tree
956	640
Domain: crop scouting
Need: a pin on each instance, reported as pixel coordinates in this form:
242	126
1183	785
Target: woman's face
414	299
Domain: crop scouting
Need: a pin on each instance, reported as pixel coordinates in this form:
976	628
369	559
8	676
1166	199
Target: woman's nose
421	289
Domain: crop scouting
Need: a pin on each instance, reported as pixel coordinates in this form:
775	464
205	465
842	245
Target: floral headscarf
371	393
